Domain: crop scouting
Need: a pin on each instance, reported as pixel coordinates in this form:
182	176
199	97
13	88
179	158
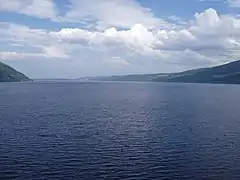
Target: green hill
8	74
224	74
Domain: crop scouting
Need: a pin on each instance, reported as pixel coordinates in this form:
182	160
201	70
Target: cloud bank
117	37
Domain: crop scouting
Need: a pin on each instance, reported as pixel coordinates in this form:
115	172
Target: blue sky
76	38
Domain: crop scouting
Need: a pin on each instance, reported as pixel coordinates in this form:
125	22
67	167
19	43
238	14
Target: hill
224	74
8	74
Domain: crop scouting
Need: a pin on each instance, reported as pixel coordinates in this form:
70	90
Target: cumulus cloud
138	35
209	32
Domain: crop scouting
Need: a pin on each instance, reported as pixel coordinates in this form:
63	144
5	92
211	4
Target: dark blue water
73	130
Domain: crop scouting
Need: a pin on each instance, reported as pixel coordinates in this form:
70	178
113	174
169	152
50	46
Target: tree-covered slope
8	74
226	74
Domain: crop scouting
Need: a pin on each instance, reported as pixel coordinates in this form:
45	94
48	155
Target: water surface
91	130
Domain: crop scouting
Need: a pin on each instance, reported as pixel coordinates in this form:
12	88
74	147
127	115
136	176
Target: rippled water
73	130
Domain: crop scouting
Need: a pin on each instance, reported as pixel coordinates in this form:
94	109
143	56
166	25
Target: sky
78	38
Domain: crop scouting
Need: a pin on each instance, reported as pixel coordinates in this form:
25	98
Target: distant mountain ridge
224	74
8	74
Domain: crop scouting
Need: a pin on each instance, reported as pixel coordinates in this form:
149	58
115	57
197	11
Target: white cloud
54	52
44	9
116	13
25	37
100	13
234	3
138	36
117	61
208	33
128	45
18	55
231	3
23	34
